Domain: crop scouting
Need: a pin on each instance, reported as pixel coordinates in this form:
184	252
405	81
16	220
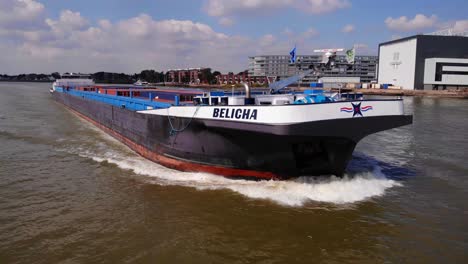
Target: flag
292	53
350	55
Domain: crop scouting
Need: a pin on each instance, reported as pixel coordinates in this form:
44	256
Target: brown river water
71	194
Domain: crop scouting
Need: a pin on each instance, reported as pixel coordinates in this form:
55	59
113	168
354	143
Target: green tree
206	76
56	75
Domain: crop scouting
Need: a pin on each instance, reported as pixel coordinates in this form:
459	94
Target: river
69	193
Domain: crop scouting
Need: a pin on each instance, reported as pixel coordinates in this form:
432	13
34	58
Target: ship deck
137	98
134	98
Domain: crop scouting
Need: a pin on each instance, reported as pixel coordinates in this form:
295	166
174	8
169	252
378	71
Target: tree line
30	77
150	76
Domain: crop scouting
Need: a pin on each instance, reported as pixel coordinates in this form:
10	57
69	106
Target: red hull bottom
178	164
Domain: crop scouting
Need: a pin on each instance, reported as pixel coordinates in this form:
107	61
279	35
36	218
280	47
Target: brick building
190	75
242	77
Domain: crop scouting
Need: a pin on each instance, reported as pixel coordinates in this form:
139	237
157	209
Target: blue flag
292	53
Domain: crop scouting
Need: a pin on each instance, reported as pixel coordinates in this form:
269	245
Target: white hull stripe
286	114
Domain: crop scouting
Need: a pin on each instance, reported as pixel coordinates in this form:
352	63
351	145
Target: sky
45	36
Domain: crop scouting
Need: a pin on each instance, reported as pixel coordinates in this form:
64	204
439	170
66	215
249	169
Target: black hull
235	149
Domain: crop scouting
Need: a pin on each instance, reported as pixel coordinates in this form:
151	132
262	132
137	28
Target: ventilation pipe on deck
247	90
248	98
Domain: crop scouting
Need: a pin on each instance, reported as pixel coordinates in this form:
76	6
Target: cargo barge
253	136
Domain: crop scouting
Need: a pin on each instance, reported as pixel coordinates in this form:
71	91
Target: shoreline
460	94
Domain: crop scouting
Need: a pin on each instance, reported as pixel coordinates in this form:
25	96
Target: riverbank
27	81
450	93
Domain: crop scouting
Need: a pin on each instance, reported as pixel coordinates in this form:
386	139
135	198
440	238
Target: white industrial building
279	66
424	62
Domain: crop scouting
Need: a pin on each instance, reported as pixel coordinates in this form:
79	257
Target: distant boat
141	83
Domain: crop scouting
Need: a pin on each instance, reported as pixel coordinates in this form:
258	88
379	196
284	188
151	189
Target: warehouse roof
421	36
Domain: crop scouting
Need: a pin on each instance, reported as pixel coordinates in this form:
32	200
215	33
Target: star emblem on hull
356	109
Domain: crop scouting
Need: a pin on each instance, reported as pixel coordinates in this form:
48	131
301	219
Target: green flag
350	55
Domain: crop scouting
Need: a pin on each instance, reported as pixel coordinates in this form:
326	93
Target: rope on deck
173	130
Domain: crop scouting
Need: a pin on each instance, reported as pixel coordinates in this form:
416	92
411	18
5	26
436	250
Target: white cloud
140	26
273	45
288	32
21	14
70	20
310	32
302	37
67	23
220	8
225	21
404	24
229	7
39	52
322	6
73	43
267	40
105	24
460	26
348	28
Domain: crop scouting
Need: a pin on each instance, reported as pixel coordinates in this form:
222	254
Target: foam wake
349	189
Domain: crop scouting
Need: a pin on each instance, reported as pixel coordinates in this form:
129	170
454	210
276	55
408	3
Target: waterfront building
189	75
241	77
279	67
434	61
